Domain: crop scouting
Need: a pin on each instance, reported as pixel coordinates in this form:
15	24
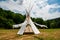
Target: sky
45	9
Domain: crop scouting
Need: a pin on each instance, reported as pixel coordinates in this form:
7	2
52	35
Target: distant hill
53	23
8	18
56	19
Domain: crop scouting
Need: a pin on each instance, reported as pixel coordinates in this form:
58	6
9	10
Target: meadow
45	34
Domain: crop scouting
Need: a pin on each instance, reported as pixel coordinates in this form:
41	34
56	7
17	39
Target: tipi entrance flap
28	29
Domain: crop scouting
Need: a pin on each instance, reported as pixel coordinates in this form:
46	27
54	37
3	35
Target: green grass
46	34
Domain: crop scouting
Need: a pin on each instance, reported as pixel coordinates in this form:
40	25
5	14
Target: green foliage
6	23
53	23
8	18
38	20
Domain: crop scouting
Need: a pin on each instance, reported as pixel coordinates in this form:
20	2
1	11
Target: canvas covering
21	30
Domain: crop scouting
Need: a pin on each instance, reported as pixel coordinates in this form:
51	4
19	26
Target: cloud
46	9
11	5
45	14
53	10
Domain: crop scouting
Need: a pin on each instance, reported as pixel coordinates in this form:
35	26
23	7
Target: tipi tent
28	26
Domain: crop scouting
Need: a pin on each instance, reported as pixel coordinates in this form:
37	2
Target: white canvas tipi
28	26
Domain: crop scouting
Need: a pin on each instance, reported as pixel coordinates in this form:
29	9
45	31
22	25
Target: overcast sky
46	9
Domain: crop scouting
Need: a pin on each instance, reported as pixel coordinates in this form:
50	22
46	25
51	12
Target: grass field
46	34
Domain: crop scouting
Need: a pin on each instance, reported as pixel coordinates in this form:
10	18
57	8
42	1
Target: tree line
9	18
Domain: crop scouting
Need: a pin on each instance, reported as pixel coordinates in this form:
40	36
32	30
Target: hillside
8	18
53	23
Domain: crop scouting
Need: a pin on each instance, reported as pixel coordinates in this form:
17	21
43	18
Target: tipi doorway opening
28	29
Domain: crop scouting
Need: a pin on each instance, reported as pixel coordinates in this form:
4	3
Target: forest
9	18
